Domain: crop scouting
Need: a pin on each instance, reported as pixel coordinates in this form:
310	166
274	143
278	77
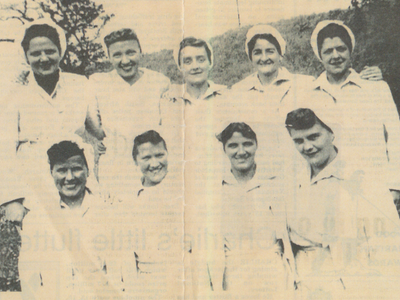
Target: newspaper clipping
199	149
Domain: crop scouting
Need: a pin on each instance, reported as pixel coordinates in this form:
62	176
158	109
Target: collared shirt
195	120
88	202
264	109
315	202
276	94
330	219
61	113
249	224
252	82
63	251
178	105
370	134
126	111
253	203
179	92
154	216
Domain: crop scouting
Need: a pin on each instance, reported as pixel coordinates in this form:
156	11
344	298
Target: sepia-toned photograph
199	149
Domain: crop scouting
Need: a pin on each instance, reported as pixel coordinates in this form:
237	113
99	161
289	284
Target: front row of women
330	232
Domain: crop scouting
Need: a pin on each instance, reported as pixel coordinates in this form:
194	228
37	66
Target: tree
82	21
20	11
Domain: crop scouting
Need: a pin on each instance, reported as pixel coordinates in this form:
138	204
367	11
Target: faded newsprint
193	149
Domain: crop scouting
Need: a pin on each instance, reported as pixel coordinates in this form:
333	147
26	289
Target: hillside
375	24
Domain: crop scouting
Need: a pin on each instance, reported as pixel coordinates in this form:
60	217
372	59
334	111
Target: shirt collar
353	79
86	203
212	91
337	169
141	189
283	76
117	78
255	183
32	82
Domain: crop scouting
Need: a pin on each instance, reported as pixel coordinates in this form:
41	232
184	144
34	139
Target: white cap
265	29
321	25
49	22
176	50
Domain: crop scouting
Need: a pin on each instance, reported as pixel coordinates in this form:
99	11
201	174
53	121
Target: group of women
236	243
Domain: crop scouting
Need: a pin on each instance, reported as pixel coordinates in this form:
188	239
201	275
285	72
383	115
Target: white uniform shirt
126	111
62	251
339	222
370	123
34	117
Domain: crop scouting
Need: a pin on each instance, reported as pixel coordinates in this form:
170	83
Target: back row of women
320	225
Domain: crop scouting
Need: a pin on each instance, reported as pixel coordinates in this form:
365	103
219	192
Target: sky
159	22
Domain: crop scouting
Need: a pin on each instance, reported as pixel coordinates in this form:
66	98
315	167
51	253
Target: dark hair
242	128
41	30
303	118
193	42
59	153
150	136
121	35
269	37
334	30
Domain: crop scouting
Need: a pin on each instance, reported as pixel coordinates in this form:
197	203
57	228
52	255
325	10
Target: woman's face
241	151
265	57
195	65
43	56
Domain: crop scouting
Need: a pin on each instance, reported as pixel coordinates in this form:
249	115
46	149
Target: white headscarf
265	29
321	25
49	22
176	51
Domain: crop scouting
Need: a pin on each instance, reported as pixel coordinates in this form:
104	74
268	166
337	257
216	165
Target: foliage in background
10	245
24	11
375	23
82	21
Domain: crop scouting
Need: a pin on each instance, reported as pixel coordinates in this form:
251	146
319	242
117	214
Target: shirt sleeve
9	124
391	127
93	117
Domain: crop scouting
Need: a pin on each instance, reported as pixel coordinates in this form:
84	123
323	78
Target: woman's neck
267	79
49	82
197	90
243	177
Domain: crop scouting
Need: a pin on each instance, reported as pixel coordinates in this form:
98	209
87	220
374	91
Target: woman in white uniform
249	225
51	104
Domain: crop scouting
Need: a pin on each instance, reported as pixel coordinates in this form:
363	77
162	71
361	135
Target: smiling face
265	57
153	162
70	177
315	145
43	56
125	57
241	151
195	65
335	56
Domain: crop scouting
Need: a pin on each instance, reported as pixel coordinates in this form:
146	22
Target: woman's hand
14	211
22	78
371	73
101	148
